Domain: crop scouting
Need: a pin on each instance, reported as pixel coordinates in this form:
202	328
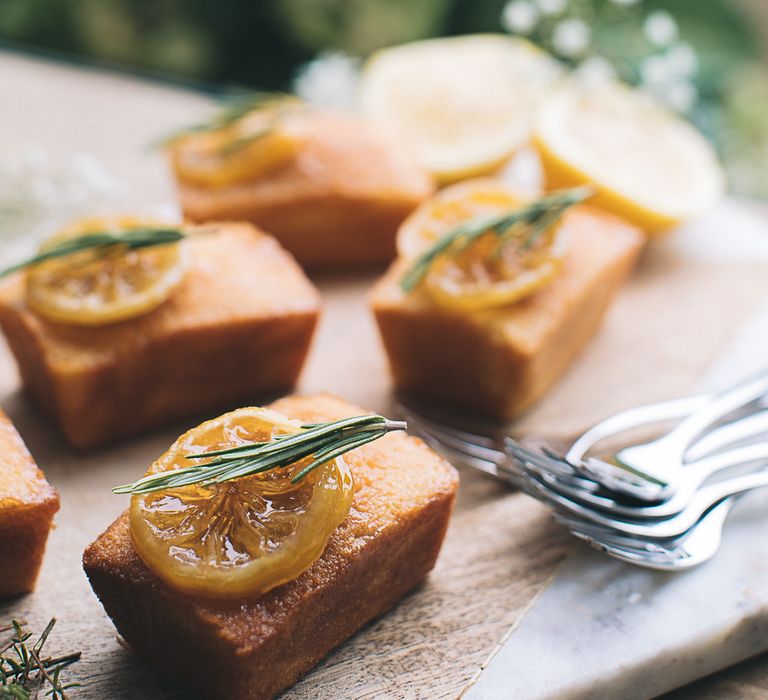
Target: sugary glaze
498	361
239	325
253	649
338	202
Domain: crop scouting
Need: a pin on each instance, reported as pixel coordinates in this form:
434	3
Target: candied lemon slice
483	275
96	287
245	536
648	165
461	105
245	150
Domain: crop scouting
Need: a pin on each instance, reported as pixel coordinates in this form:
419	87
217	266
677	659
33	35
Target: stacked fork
660	504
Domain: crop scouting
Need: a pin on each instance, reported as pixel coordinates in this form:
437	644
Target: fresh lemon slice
93	288
242	537
483	275
648	165
461	105
246	150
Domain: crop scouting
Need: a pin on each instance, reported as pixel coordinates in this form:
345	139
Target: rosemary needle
24	671
128	239
233	109
323	442
525	224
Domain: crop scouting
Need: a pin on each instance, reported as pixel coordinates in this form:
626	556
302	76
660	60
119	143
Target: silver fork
548	467
494	455
653	470
696	546
702	501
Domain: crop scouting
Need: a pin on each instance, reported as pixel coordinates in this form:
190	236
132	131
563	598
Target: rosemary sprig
102	241
232	109
322	441
24	671
524	224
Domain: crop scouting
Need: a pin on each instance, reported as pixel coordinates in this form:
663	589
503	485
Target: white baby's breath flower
683	60
570	38
656	70
519	16
595	70
39	194
660	28
552	7
330	81
680	96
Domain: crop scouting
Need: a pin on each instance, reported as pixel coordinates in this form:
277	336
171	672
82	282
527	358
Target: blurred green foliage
260	43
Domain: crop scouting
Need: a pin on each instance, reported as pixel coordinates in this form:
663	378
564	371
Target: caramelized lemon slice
648	165
95	287
244	150
461	105
484	274
241	537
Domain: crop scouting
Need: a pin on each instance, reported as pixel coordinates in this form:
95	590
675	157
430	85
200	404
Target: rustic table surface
501	548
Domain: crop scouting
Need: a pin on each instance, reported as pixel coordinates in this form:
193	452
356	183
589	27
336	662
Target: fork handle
748	427
720	405
634	418
714	493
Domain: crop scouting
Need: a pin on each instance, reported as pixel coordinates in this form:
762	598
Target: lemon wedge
648	165
250	147
241	537
482	275
461	105
98	287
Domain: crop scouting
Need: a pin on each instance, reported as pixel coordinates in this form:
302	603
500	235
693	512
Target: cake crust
337	203
238	328
27	506
253	649
498	362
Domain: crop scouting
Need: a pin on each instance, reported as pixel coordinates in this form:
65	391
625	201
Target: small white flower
570	38
680	96
596	70
656	70
683	60
552	7
519	16
660	28
330	81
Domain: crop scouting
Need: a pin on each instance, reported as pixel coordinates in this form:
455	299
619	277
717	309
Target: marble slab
605	629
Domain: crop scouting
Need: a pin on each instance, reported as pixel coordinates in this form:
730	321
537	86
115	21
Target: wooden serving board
673	319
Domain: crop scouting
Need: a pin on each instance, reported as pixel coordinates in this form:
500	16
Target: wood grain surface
671	321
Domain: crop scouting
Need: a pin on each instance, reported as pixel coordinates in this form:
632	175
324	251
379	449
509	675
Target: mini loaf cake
329	187
496	359
252	648
27	506
236	325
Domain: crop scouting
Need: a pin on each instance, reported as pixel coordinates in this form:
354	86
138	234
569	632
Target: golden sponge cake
236	329
253	649
497	362
27	506
337	203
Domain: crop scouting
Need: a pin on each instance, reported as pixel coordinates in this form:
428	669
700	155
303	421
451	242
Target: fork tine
584	529
435	426
459	457
550	464
459	440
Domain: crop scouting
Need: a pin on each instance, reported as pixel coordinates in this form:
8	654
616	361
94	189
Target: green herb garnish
24	671
232	110
524	224
102	242
322	441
